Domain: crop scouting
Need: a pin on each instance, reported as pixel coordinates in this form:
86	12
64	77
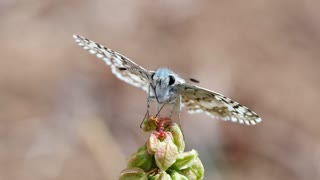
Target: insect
166	87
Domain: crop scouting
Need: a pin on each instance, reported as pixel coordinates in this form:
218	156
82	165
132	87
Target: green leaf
141	159
153	143
196	171
133	174
178	138
185	160
177	176
161	176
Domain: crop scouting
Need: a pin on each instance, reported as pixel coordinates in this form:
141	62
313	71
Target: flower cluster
163	156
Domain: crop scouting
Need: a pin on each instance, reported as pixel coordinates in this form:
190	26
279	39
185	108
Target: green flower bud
133	174
185	160
161	176
198	168
189	174
196	171
177	176
141	159
163	154
166	152
153	143
149	124
177	136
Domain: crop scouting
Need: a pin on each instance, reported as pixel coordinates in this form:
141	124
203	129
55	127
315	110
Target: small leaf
178	138
196	171
189	174
177	176
141	159
133	174
153	143
197	168
161	176
185	160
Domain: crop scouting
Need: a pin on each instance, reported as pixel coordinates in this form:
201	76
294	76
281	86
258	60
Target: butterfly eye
171	80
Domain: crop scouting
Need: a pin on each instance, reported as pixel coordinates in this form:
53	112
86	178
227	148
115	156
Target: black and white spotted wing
121	66
197	99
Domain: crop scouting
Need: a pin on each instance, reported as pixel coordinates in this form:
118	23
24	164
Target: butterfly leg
176	107
179	108
148	107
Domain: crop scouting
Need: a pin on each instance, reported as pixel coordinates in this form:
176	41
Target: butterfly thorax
163	81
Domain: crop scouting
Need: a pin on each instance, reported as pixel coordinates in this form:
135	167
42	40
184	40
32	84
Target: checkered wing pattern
197	99
121	66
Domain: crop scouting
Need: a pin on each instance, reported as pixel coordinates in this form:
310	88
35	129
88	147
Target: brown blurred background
63	115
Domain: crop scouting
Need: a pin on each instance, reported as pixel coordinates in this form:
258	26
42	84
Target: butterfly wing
197	99
121	66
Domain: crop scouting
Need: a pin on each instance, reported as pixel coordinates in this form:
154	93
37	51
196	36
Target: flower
162	156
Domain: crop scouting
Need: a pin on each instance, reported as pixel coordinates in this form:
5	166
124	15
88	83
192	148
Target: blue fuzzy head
162	81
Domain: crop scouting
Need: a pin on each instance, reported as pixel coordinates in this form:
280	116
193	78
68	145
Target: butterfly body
165	86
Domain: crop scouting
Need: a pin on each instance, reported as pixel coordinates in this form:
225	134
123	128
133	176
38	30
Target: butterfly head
162	81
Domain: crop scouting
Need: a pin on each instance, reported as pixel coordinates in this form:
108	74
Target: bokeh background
63	115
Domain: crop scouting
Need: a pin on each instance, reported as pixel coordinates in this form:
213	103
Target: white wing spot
241	109
234	119
258	120
92	51
107	61
99	56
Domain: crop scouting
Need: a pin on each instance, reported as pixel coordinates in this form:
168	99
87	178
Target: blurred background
64	115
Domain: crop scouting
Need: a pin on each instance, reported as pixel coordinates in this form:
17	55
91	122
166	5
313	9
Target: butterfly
164	86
